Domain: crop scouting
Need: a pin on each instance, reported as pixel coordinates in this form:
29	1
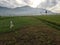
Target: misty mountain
17	5
25	10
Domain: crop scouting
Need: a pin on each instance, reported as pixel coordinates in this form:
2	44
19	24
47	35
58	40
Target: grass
19	22
28	30
52	18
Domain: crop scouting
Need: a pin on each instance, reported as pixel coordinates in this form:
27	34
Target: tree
46	11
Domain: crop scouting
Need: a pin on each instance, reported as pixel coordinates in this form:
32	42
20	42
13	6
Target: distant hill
25	10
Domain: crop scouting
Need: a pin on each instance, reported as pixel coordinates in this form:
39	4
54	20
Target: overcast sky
19	3
52	5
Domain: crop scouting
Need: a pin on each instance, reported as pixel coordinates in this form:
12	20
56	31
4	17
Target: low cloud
31	3
12	3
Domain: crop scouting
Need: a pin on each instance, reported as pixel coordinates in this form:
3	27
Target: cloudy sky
19	3
53	5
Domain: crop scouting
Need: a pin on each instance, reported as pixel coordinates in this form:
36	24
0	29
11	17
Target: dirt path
32	35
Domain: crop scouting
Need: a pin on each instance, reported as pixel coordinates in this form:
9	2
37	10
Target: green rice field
30	30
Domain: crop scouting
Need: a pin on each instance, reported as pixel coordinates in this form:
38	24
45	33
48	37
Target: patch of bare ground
32	35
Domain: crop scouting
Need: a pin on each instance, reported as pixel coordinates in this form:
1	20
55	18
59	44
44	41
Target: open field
30	30
53	18
19	22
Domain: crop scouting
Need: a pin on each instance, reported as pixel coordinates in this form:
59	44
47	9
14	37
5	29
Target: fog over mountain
25	10
50	5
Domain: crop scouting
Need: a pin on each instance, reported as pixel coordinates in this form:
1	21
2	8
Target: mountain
22	6
25	10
